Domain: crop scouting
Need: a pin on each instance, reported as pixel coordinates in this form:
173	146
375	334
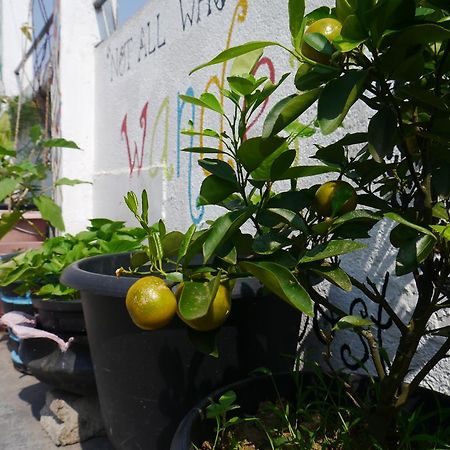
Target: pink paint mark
137	159
262	62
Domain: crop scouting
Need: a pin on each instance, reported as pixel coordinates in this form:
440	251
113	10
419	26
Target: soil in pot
305	411
148	380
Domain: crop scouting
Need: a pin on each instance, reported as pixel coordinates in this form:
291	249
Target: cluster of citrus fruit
152	305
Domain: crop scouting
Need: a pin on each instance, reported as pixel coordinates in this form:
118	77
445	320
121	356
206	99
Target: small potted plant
26	204
35	274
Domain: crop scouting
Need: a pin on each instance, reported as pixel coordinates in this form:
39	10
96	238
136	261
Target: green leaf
171	243
210	150
269	243
206	100
289	217
206	132
132	202
59	143
329	249
7	187
244	64
337	98
296	13
186	242
382	134
7	152
279	280
414	252
223	228
144	206
442	230
264	170
244	84
138	259
254	151
399	219
50	211
358	215
345	45
424	33
7	222
334	275
287	110
310	77
305	171
352	322
319	42
214	190
268	89
234	52
70	182
174	277
281	164
195	300
35	133
218	168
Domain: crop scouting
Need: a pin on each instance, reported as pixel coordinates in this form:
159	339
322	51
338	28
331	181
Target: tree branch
377	298
375	353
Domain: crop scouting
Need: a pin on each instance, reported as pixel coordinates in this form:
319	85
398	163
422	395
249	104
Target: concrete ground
21	399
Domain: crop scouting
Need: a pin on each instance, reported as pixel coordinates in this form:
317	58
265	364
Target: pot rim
79	276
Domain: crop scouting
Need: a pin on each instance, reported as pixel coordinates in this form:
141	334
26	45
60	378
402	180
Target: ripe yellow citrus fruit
217	313
335	198
150	303
328	27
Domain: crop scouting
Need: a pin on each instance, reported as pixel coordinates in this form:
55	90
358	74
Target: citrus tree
392	56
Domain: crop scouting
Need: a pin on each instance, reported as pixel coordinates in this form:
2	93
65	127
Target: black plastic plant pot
148	380
14	302
250	392
70	371
299	388
57	315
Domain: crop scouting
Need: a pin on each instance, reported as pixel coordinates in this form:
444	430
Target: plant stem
377	298
375	352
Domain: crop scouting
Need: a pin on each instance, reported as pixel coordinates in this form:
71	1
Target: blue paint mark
193	208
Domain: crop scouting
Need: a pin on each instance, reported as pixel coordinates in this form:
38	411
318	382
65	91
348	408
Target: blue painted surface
25	300
16	358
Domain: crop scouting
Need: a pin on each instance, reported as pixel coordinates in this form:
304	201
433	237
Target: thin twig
375	353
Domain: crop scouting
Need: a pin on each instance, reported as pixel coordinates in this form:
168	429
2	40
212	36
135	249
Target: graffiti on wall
149	145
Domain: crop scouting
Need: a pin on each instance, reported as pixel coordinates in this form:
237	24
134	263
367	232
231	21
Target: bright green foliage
24	173
38	270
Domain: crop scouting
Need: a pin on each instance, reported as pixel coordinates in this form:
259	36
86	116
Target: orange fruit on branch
150	303
335	198
328	27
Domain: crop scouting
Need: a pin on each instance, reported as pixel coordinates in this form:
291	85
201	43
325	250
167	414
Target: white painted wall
15	13
79	35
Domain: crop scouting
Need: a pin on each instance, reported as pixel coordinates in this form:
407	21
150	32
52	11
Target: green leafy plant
37	271
25	170
321	412
393	57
